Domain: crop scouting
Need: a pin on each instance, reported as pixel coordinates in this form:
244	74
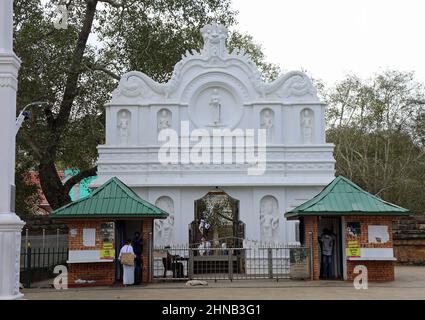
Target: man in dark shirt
138	250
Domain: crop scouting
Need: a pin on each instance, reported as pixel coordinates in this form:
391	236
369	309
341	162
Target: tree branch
113	3
77	178
98	67
71	89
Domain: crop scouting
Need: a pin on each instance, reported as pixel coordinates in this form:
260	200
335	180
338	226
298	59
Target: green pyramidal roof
343	197
114	200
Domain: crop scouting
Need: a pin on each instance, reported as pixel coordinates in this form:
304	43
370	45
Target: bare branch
98	67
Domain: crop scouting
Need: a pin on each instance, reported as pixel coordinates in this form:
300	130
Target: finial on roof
215	36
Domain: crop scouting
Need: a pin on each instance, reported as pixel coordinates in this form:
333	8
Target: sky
330	38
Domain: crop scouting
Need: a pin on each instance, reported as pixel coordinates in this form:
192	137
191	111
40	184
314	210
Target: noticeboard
107	231
299	263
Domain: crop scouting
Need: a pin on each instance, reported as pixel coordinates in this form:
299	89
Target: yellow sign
353	249
108	245
107	254
107	251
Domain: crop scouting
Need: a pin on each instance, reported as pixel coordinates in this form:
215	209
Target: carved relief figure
215	107
269	219
164	229
123	125
307	126
163	119
267	123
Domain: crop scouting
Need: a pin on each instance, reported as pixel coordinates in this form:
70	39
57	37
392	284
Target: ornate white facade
217	89
10	224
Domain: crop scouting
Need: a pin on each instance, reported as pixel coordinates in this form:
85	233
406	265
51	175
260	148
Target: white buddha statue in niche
124	127
215	107
307	126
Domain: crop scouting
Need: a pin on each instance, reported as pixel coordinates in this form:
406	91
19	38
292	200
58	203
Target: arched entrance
215	236
216	219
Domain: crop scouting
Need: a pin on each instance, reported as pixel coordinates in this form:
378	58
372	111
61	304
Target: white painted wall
296	170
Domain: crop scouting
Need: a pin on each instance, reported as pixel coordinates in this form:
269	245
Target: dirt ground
409	284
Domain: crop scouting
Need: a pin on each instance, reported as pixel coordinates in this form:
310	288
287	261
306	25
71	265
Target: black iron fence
38	263
278	262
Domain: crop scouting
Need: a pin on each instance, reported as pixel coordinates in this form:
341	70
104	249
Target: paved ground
410	284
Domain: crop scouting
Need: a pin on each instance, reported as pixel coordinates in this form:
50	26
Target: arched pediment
214	58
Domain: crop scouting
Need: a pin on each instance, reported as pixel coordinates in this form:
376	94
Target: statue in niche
164	229
124	127
164	119
307	126
267	123
215	107
269	219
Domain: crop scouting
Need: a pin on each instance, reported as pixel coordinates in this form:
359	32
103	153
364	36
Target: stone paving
409	284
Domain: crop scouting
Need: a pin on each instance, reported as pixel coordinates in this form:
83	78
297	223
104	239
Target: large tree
378	129
76	69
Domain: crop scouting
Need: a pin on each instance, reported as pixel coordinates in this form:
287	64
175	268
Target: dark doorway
333	225
216	228
125	229
216	219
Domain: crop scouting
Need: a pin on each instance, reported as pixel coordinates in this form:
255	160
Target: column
10	224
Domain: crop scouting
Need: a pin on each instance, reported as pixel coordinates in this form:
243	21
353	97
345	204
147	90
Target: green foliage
378	129
27	193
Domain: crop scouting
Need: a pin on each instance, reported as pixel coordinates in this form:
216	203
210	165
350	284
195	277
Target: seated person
171	263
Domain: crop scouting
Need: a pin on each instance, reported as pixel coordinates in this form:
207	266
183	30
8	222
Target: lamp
25	114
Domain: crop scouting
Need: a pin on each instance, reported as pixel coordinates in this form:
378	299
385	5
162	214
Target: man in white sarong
128	271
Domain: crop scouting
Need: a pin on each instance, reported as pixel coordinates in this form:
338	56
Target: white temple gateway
209	92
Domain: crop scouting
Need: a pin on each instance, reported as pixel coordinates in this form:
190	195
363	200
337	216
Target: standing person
138	250
204	247
327	245
127	260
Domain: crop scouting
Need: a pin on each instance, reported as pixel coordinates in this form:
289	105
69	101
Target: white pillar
10	224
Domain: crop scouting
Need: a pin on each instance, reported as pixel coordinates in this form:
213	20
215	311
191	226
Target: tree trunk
52	186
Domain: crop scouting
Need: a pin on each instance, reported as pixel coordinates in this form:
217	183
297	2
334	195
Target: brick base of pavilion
102	273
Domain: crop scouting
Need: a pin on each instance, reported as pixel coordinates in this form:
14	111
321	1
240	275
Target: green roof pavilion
112	200
343	197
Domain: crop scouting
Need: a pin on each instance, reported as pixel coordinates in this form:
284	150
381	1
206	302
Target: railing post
231	265
190	271
150	271
44	238
57	239
28	266
270	262
26	238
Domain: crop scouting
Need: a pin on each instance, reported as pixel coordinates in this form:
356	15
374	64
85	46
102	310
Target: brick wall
76	242
376	270
97	273
310	225
409	240
364	223
147	230
94	274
